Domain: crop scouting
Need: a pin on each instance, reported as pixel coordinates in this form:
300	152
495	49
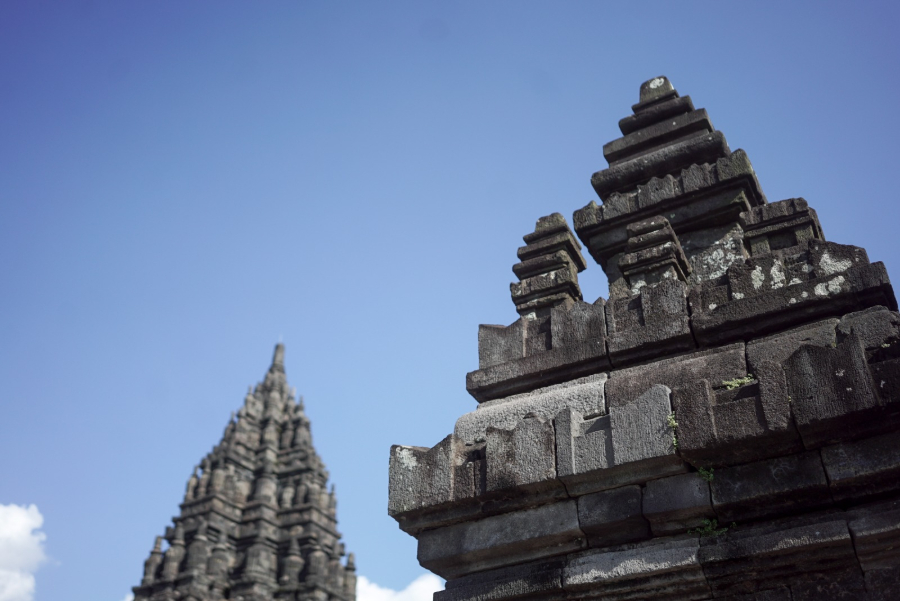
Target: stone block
640	429
864	468
547	242
652	323
501	540
700	148
736	424
876	538
768	488
830	258
633	444
716	208
499	344
780	226
656	135
846	584
832	393
778	347
775	594
786	306
715	365
422	477
543	577
875	327
568	342
677	503
752	561
536	371
538	291
755	276
582	323
585	395
669	570
883	585
582	445
523	458
656	113
613	517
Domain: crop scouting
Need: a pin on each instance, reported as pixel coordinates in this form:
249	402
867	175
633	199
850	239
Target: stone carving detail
725	425
255	513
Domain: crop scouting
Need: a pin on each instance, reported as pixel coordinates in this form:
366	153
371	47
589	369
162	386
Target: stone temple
257	522
725	426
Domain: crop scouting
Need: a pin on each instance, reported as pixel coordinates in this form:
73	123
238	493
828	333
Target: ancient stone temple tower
725	426
257	522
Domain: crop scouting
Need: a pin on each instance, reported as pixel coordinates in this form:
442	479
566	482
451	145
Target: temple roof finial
278	358
657	88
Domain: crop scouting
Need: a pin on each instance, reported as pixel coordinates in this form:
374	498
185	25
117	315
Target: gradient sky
182	183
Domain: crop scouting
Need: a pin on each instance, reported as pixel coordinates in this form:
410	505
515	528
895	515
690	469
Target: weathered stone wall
725	425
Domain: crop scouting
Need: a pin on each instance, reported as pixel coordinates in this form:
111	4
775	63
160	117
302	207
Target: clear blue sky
181	183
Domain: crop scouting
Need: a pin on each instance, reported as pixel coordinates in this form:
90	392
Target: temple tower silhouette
257	521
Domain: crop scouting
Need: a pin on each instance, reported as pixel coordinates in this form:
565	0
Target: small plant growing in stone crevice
705	474
670	421
737	382
672	424
710	528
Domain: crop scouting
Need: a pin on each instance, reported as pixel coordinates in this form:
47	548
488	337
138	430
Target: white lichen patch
737	296
830	266
794	282
757	277
712	306
655	83
804	294
777	275
831	287
637	285
792	301
407	458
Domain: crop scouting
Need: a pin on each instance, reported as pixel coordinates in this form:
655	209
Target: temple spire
265	471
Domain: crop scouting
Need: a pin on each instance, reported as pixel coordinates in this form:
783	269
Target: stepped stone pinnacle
726	425
257	521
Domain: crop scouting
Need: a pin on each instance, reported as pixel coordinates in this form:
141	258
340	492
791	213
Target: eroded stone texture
832	393
772	558
677	503
634	443
613	517
670	570
501	540
725	426
257	521
766	488
584	395
739	421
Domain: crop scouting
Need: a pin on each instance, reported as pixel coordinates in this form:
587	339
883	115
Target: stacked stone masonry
257	522
725	426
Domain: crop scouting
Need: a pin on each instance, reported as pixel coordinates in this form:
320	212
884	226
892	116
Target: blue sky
184	183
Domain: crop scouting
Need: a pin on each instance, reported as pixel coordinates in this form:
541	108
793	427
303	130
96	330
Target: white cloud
21	551
420	589
129	597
